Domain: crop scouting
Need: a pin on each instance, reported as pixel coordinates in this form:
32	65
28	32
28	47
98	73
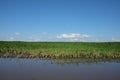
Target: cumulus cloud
44	33
73	36
17	33
116	40
12	38
35	38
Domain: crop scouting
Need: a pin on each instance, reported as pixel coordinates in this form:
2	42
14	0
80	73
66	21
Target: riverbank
60	49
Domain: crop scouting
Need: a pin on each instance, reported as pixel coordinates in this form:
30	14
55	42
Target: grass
60	49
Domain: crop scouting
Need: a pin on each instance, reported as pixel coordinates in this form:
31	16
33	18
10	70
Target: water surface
42	69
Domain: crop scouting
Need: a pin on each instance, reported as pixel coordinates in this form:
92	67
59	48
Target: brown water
41	69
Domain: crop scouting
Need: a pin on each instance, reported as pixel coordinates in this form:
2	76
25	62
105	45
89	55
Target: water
75	69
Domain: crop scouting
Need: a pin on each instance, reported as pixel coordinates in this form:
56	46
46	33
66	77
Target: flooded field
59	69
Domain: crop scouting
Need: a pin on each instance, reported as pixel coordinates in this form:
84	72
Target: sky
60	20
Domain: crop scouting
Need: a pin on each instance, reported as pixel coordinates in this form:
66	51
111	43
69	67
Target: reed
60	49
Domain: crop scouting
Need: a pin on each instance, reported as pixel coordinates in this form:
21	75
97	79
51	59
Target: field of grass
60	49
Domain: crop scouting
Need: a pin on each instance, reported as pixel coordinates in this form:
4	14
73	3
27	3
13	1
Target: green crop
60	49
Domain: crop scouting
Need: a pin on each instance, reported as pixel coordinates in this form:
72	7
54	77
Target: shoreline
91	50
28	55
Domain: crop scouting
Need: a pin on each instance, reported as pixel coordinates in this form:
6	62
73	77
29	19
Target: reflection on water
59	69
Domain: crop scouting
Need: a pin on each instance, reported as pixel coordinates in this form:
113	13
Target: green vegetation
60	49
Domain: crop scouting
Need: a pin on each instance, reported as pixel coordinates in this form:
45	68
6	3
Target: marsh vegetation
60	49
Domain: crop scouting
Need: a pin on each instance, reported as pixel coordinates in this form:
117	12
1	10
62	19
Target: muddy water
41	69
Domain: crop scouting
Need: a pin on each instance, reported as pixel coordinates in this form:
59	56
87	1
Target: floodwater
42	69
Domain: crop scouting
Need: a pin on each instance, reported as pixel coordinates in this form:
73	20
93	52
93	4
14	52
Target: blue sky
59	20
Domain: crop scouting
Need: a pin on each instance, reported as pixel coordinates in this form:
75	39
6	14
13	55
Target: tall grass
60	49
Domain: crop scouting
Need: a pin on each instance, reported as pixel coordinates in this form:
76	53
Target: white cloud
44	33
97	40
35	38
73	36
116	40
17	33
12	38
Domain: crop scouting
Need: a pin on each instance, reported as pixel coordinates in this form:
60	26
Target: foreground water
67	69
